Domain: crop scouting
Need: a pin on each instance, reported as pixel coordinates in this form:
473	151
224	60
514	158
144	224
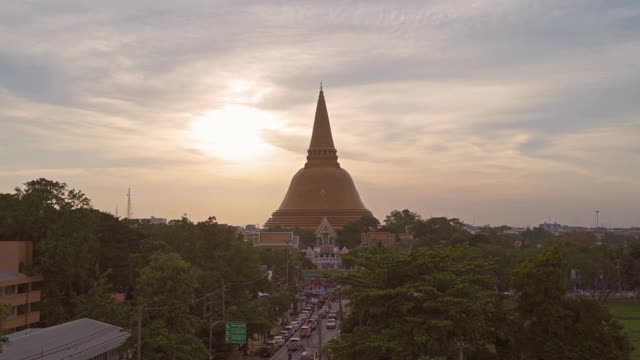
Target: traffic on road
302	338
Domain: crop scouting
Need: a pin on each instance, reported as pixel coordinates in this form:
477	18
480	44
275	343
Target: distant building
375	238
152	220
16	288
326	254
82	339
276	240
322	188
249	232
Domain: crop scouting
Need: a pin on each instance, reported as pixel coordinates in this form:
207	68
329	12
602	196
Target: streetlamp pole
287	268
139	345
211	325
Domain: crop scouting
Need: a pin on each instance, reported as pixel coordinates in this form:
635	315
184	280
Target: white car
331	324
294	344
279	340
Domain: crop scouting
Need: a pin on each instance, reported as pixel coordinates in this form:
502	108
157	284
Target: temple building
326	254
321	189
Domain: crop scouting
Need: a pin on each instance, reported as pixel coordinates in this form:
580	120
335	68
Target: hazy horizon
499	112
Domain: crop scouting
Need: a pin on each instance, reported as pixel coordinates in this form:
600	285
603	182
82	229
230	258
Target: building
321	188
276	240
82	339
374	239
326	254
152	220
17	289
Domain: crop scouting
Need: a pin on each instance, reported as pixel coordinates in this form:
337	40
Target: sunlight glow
233	132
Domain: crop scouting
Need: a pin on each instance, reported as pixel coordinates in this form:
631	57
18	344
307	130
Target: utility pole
319	337
619	278
222	289
129	204
211	325
139	347
287	270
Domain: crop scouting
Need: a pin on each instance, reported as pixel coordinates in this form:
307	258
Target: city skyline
498	112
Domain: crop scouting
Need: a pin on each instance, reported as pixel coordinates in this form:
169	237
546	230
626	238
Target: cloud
446	104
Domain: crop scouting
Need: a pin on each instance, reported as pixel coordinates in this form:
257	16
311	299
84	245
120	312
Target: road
311	342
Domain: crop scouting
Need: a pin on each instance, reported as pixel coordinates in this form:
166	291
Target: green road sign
235	333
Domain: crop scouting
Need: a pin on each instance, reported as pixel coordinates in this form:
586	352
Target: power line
66	346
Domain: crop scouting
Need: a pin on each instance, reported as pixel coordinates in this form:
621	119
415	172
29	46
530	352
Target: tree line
172	273
452	294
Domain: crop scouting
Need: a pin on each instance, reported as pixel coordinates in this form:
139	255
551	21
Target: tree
404	306
168	281
5	310
166	289
440	230
98	303
398	221
349	235
553	326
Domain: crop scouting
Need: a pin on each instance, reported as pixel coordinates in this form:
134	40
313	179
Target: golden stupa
321	188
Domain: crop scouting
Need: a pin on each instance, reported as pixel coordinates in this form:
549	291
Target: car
331	324
332	315
294	344
266	351
305	331
286	334
279	340
312	323
291	328
295	325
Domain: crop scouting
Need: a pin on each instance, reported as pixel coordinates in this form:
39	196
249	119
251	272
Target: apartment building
18	286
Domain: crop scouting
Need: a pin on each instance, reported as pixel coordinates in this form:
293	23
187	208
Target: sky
491	111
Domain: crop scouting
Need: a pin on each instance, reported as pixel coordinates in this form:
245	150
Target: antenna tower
129	204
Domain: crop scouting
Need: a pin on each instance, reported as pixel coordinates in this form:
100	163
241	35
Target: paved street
310	343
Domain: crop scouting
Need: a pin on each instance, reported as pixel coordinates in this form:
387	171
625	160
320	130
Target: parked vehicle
331	324
323	312
266	351
312	323
279	340
332	315
294	344
305	331
286	334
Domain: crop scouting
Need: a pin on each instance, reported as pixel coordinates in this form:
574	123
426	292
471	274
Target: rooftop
8	275
77	340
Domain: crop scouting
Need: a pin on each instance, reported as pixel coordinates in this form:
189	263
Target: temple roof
321	190
321	137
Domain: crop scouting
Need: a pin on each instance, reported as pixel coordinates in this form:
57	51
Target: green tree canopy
397	221
554	326
349	235
404	306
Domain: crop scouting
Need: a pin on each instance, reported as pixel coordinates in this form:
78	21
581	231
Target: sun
233	132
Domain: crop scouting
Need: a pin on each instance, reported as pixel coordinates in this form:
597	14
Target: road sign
235	333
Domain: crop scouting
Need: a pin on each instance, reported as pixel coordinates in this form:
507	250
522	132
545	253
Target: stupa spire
321	146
